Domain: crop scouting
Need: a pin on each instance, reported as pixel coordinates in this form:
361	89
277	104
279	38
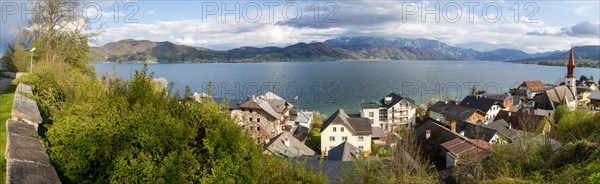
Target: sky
531	26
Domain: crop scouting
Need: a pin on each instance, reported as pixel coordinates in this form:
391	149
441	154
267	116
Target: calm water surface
326	86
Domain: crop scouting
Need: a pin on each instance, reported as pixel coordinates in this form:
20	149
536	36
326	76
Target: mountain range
337	49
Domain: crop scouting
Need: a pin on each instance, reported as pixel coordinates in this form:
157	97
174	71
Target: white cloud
151	12
381	18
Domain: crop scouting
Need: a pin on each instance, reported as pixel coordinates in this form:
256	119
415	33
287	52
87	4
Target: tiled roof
474	131
503	128
595	95
296	148
478	102
554	97
498	97
269	102
462	113
357	125
334	170
304	117
517	119
438	135
474	148
343	152
534	85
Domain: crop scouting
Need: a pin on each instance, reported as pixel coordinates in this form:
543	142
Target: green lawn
6	100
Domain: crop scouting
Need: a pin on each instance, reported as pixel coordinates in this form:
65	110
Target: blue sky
532	26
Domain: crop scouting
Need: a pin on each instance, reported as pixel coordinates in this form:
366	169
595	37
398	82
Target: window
344	138
250	111
361	138
371	114
342	129
361	148
334	129
258	120
250	119
331	138
258	129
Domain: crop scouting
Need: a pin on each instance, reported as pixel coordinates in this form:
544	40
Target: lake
326	86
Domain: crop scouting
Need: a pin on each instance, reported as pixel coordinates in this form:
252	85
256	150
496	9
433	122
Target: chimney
509	126
509	113
286	142
427	134
462	133
388	99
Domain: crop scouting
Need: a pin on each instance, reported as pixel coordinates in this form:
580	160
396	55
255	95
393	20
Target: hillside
585	56
337	49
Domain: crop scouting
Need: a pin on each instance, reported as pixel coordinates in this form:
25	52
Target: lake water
326	86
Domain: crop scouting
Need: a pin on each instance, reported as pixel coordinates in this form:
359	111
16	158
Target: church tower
570	78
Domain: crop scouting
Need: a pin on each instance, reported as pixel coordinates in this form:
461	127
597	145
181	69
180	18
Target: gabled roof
462	113
554	97
474	131
517	119
304	117
595	95
503	128
474	149
269	102
441	107
534	85
395	99
478	102
296	148
357	125
438	135
343	152
498	97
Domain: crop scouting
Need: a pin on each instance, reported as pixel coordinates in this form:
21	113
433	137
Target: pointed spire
571	65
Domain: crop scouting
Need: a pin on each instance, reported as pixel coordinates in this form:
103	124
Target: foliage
577	124
6	101
405	164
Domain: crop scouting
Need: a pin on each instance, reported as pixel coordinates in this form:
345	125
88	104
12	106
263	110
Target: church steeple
571	66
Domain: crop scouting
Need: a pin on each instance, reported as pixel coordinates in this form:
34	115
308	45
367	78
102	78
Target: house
449	114
304	118
521	120
546	102
431	135
480	132
595	100
340	128
583	94
263	116
392	111
489	106
507	133
465	151
287	145
530	88
506	100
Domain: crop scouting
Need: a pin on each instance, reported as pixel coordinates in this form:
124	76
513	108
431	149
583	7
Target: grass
6	101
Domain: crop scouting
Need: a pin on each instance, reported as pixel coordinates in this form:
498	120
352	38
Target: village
450	133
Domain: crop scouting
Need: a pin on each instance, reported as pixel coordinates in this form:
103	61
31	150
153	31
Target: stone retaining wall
26	157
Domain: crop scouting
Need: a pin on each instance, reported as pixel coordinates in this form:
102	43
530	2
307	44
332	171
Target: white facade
389	116
492	112
372	115
335	134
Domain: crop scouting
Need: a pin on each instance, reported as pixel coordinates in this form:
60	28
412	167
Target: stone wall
26	157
